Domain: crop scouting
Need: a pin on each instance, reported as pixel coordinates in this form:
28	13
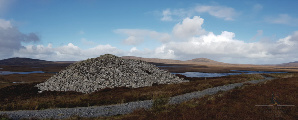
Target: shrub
4	117
159	103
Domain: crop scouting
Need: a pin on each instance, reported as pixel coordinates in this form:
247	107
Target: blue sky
232	31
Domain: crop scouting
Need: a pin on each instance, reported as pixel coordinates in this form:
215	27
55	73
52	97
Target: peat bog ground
241	101
26	96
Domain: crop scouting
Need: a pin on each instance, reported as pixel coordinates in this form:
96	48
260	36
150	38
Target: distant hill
169	61
290	64
205	60
23	61
155	60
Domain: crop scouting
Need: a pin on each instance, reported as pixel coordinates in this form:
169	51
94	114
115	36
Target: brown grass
236	104
25	96
7	80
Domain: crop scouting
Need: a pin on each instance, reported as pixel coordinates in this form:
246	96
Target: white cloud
223	12
68	52
196	43
5	24
69	49
176	14
133	49
38	51
257	8
102	49
166	15
287	45
164	53
132	40
11	38
137	36
282	19
226	48
223	47
189	27
86	42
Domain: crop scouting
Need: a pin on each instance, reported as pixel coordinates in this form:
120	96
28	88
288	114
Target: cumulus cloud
67	52
159	52
11	38
35	51
226	13
137	36
209	44
102	49
5	24
282	19
133	49
196	43
164	53
287	45
222	47
189	27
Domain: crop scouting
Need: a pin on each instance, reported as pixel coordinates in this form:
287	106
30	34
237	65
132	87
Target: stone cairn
107	71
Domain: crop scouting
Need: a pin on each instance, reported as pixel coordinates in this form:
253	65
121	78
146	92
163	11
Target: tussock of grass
159	103
4	117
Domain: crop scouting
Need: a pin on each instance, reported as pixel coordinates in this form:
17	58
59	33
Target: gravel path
110	110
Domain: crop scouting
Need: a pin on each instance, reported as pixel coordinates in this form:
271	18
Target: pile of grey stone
107	71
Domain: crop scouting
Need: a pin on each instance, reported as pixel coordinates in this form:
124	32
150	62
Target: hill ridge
22	61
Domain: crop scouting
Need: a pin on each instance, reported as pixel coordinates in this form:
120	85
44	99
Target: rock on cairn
107	71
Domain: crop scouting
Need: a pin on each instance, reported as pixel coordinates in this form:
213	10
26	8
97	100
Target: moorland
17	91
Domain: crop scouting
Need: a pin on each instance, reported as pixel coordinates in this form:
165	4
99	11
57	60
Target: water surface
169	66
235	72
255	72
10	72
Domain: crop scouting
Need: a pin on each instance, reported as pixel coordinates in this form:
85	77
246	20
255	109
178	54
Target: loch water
10	72
233	72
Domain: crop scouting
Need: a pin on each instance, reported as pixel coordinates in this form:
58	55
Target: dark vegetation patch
55	67
7	80
26	96
238	103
